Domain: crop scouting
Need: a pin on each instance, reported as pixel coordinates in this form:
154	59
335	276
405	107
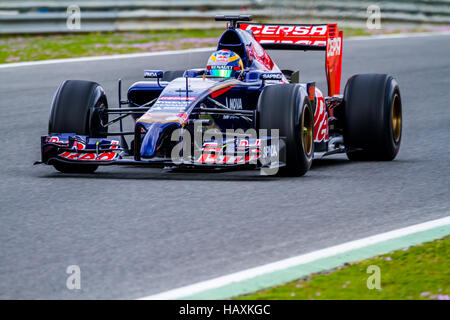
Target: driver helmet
224	64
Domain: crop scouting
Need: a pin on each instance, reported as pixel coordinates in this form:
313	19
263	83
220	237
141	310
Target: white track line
294	261
161	53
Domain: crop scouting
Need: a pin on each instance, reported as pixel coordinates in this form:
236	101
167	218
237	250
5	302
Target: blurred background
41	29
41	16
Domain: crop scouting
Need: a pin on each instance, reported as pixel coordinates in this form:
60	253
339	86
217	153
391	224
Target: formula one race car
241	111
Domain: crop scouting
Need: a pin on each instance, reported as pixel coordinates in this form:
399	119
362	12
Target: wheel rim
396	118
307	130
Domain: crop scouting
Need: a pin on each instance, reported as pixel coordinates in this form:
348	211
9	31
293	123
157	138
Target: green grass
419	272
42	47
53	46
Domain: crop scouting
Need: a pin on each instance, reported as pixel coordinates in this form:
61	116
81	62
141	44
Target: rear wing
323	37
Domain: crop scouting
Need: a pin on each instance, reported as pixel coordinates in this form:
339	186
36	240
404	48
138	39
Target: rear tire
373	117
284	107
75	109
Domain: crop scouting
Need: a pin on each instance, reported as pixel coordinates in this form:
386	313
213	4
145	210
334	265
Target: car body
192	101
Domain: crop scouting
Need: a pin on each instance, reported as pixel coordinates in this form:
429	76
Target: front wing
227	154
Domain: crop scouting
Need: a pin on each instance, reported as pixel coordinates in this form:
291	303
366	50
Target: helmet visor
222	73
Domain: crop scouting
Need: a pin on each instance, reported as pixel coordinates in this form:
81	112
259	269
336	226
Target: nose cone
156	124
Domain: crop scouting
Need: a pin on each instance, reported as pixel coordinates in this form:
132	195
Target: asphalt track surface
139	231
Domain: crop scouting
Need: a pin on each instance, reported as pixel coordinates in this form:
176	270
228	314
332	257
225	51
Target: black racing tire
75	109
373	117
171	75
284	107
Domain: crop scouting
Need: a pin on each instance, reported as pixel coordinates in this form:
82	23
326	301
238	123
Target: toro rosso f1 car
241	111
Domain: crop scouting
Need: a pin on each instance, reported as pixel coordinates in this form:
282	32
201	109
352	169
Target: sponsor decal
221	67
222	58
56	140
272	76
101	156
170	105
286	30
240	153
318	43
52	139
313	35
234	103
106	156
153	74
334	47
77	145
169	108
320	119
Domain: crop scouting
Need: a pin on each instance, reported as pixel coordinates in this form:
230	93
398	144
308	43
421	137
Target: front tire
373	117
284	107
76	109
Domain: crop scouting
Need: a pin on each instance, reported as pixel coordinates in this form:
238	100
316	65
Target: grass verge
54	46
420	272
